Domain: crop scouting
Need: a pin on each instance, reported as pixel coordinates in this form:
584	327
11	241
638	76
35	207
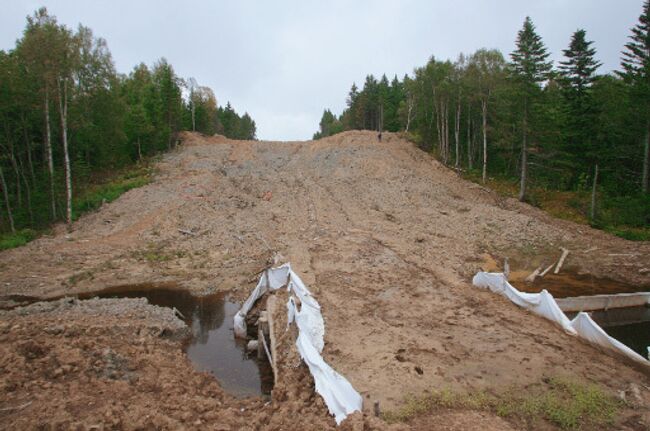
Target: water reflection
212	346
630	326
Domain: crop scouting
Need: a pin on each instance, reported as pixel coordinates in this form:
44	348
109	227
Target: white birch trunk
524	156
14	165
408	115
7	203
445	126
484	115
593	193
63	110
457	134
469	137
437	113
48	150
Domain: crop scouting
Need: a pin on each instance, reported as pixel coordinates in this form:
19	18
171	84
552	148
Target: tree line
564	128
65	114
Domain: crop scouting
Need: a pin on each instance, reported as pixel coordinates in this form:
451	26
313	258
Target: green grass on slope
88	199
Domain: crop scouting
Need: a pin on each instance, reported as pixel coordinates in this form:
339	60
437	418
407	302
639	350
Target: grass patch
565	403
21	237
631	233
95	196
618	217
156	253
74	279
108	188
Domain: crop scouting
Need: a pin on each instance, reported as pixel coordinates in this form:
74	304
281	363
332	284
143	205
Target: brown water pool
212	346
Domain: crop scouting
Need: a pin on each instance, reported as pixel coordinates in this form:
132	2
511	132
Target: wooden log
271	309
565	252
262	328
547	270
533	275
20	407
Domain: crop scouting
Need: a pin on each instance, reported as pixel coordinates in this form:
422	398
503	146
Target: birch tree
487	70
39	49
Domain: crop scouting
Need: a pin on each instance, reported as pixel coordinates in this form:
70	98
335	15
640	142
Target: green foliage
233	126
572	118
530	63
96	196
329	125
112	120
631	211
21	237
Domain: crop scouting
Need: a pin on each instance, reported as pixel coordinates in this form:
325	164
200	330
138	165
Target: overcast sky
285	61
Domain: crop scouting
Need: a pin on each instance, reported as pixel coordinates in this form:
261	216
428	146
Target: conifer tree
578	73
636	71
530	69
579	69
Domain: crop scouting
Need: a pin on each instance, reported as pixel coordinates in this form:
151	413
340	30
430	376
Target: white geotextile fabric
544	304
541	303
592	332
339	395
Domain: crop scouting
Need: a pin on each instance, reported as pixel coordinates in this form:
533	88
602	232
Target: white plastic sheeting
544	304
339	395
541	303
592	332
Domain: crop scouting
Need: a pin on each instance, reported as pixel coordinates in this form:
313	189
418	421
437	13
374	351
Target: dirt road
386	237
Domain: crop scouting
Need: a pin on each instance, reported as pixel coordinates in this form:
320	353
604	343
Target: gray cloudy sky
284	61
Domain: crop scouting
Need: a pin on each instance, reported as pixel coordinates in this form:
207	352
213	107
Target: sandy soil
386	237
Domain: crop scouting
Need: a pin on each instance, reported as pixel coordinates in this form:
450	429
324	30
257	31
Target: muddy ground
386	237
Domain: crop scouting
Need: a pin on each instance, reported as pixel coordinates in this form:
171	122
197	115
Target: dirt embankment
386	237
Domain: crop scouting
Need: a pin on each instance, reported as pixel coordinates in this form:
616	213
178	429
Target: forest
69	122
522	124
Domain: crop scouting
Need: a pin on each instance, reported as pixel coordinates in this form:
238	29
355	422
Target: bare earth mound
386	237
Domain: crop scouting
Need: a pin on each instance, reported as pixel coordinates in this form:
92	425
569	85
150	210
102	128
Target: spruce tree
636	71
579	69
530	69
577	75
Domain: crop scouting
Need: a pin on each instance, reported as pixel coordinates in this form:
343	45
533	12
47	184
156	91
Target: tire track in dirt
386	237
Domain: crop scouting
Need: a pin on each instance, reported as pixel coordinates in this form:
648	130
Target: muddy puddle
567	284
212	346
630	326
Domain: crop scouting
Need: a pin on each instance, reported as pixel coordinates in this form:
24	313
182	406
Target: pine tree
530	69
636	71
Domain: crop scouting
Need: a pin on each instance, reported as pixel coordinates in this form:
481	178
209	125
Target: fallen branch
177	311
547	270
533	275
20	407
565	252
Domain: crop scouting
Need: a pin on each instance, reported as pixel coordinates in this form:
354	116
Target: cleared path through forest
386	236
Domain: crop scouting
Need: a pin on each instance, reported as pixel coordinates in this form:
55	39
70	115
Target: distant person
379	136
